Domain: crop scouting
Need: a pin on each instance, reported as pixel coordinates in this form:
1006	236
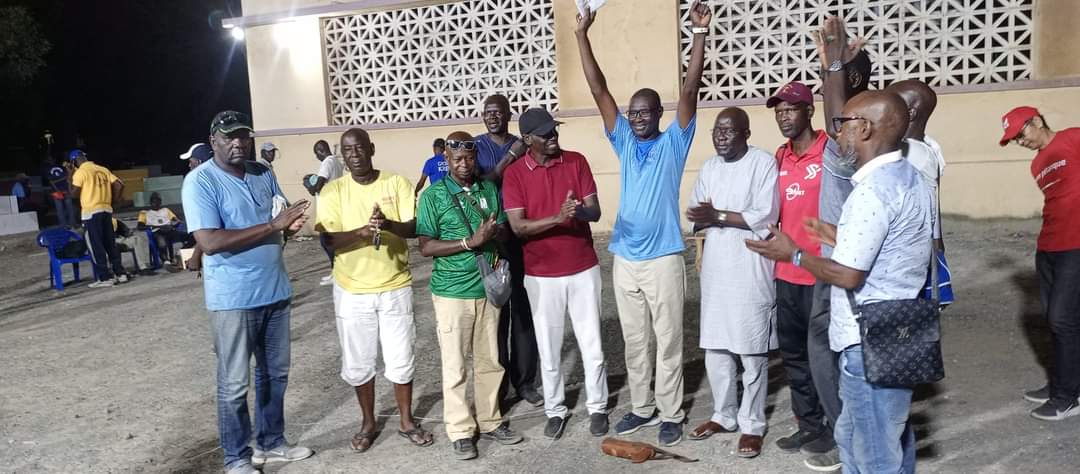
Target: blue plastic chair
155	251
55	240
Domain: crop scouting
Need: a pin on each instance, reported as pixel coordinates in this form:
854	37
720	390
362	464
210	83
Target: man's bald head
358	134
459	135
921	101
739	118
876	123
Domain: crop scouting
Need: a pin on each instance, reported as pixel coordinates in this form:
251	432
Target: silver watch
835	66
722	217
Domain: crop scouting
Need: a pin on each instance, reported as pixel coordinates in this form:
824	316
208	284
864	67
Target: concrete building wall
641	50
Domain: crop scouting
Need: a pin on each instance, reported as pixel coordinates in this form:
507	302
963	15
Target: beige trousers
649	295
469	326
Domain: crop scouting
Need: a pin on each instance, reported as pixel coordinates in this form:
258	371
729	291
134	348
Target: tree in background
22	46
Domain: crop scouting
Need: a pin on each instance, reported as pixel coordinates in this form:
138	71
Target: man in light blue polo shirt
881	253
649	272
228	205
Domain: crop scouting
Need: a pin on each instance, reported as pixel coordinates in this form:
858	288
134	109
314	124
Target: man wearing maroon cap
800	162
550	199
1057	259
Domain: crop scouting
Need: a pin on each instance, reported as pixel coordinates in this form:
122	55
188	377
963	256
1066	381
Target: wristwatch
699	30
722	217
835	66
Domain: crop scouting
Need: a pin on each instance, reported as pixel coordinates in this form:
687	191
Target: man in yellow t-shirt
365	217
97	187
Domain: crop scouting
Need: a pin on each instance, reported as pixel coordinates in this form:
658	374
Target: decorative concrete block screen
758	45
439	62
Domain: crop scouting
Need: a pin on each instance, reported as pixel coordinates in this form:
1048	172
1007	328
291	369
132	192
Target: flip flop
361	442
417	436
706	430
749	446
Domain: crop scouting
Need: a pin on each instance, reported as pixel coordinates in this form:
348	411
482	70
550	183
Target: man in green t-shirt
466	319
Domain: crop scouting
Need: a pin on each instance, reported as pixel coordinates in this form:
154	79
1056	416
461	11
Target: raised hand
378	219
700	15
568	209
704	213
832	42
292	218
585	21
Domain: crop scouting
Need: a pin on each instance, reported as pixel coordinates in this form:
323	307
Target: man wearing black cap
228	204
550	198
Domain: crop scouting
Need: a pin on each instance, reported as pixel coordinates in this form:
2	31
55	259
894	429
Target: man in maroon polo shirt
800	163
550	198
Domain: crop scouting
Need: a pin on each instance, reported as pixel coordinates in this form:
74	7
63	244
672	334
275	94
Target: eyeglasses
642	113
839	121
461	144
1023	132
725	132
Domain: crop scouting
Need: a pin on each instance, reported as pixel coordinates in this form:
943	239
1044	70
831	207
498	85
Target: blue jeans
65	212
238	335
872	433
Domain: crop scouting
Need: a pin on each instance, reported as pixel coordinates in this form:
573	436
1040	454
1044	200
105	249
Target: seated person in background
162	222
137	241
21	191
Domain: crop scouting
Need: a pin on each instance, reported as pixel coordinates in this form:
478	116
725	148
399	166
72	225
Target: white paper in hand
593	5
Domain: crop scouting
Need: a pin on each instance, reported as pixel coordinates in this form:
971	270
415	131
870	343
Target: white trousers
367	320
722	368
552	299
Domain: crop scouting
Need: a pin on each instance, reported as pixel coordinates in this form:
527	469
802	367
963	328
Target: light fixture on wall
236	32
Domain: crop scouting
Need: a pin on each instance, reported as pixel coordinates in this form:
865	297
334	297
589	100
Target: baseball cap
268	146
199	151
537	121
75	154
1014	121
230	121
793	92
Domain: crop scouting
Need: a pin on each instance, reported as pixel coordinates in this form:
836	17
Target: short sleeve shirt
1056	170
885	231
95	183
331	168
58	177
437	217
244	278
435	168
650	174
489	153
157	218
538	191
346	205
800	194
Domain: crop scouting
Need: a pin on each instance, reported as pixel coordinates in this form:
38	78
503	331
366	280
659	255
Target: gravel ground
122	379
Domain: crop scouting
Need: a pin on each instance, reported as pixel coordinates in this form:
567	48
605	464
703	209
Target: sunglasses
839	121
461	144
230	119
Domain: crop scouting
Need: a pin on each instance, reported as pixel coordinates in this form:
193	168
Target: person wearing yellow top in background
97	188
163	223
365	217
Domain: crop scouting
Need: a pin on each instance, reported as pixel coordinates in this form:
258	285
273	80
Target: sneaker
631	423
670	433
554	428
147	272
102	284
283	453
792	443
327	280
464	449
529	394
243	468
503	435
1039	395
828	462
823	444
1051	411
122	278
598	424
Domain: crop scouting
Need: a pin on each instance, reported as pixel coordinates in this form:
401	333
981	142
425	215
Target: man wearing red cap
1057	259
800	161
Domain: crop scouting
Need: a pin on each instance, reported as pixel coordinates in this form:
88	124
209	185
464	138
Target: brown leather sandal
706	430
749	446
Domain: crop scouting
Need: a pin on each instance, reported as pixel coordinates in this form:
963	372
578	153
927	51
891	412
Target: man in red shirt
1056	169
550	198
800	164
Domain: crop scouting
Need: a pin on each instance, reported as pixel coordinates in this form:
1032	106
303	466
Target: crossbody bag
496	278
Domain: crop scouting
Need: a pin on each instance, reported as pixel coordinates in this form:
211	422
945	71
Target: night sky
137	80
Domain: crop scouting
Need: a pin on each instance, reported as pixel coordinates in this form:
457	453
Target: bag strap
464	217
934	290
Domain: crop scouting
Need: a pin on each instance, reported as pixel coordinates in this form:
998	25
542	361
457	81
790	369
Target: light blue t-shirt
885	231
214	199
647	225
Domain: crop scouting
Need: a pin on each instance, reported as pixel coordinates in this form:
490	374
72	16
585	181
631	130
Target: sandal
417	436
707	429
361	442
749	446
